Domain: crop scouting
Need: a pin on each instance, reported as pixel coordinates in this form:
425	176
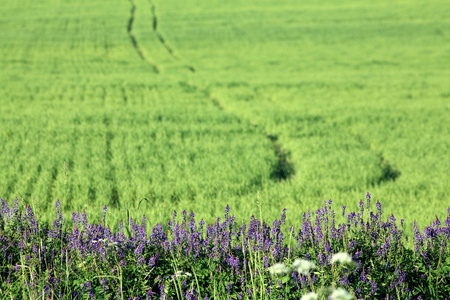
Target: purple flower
119	293
139	249
104	287
249	292
283	216
242	281
368	197
373	288
379	209
361	206
229	288
104	213
162	291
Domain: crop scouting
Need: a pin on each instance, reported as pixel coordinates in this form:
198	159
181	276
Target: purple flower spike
229	288
149	295
104	287
379	209
361	206
249	292
105	208
119	293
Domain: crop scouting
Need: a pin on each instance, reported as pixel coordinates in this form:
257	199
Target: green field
198	104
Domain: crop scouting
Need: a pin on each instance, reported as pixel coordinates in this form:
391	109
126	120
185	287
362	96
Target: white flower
310	296
340	294
278	269
342	258
303	266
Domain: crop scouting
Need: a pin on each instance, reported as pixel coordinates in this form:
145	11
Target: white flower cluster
106	243
278	269
303	266
337	294
342	258
178	274
300	265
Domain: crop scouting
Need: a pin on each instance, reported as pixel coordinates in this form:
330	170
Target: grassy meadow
194	105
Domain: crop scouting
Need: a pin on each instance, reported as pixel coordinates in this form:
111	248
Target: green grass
196	104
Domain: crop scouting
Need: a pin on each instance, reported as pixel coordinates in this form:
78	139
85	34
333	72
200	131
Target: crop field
193	105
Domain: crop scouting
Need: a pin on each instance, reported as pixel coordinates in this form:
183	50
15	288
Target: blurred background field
194	105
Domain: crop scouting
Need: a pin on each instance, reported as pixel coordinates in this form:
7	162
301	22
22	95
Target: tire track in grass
124	95
388	171
283	168
111	175
163	41
133	39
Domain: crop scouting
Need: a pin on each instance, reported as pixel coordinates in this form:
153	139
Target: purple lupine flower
322	259
227	210
266	262
139	249
229	288
104	286
363	276
250	292
183	224
15	208
84	219
162	291
379	209
123	263
373	288
152	260
119	293
327	246
140	261
21	246
447	221
105	208
283	216
149	295
242	281
343	210
143	229
240	296
59	214
361	206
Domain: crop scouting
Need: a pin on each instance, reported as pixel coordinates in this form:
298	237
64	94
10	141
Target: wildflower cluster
361	258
